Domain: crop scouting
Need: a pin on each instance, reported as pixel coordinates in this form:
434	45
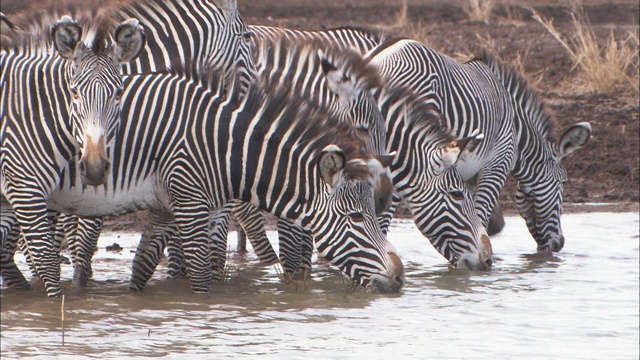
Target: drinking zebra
307	167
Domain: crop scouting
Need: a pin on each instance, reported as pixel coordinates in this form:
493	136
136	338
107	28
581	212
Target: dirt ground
605	171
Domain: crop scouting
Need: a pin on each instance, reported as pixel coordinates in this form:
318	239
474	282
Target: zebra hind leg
152	243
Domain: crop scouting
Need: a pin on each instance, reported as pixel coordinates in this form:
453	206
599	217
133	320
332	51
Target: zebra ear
66	36
330	165
573	139
338	82
386	160
227	6
468	145
454	152
130	40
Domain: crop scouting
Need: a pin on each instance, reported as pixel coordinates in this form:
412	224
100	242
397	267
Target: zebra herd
185	111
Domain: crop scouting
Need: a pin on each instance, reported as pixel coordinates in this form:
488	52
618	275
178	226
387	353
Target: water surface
582	303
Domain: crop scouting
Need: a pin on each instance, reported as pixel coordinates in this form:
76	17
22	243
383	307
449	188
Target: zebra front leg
385	218
176	267
157	233
290	248
11	275
40	244
251	220
52	216
83	244
490	181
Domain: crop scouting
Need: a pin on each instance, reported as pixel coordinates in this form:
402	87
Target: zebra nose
489	262
94	173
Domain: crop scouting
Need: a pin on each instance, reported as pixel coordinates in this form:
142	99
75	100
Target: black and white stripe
54	107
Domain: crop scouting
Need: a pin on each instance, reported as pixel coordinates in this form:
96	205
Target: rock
114	247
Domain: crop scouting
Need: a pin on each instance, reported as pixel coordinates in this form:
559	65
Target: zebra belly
100	201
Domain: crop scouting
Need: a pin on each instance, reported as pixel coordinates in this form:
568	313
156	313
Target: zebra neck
531	153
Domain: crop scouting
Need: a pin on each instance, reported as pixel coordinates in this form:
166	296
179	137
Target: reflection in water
583	299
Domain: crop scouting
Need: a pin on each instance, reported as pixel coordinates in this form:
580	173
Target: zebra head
539	201
455	229
344	223
96	88
230	50
350	82
425	176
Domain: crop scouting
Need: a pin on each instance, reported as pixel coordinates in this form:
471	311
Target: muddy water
581	304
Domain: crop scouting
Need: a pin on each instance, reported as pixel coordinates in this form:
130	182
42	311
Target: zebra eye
456	194
75	93
247	36
356	216
118	94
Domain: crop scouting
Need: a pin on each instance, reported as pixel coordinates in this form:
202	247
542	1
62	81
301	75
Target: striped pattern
538	166
452	227
198	35
52	109
194	164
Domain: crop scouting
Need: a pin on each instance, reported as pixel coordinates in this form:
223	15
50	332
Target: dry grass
605	67
402	18
478	10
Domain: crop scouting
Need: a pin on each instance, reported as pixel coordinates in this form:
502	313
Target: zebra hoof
135	287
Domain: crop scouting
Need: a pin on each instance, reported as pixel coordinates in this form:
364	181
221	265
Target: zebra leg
175	257
83	244
152	243
242	240
11	275
496	221
290	246
306	250
251	220
40	244
385	218
57	243
490	181
218	233
192	221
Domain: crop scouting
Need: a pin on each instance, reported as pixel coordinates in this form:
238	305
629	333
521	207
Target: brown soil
606	171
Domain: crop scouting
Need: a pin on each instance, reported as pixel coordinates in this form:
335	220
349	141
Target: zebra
216	38
344	85
533	153
54	107
484	94
361	40
323	178
192	35
287	60
349	100
538	166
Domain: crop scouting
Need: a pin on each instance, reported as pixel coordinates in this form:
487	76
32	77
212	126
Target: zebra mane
376	36
525	97
32	26
311	125
290	50
382	46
